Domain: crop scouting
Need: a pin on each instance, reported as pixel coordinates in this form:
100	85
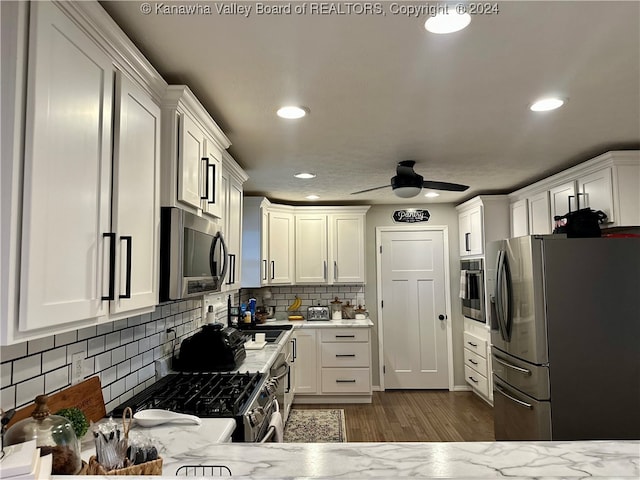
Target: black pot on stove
212	349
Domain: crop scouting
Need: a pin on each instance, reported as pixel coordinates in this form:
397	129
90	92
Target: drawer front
345	335
475	344
345	355
476	362
346	380
477	381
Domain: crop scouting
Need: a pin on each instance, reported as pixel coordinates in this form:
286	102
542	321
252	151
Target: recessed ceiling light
305	175
546	104
292	112
312	197
448	22
431	194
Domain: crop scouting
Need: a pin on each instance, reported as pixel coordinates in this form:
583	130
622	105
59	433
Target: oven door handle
279	375
269	435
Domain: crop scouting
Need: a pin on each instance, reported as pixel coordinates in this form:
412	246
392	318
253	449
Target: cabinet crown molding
481	200
612	158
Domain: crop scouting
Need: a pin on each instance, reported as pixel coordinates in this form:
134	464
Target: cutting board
87	396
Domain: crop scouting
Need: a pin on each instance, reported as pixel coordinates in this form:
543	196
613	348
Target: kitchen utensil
156	416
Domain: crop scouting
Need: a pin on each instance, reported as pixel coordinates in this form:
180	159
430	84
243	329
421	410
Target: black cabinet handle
273	269
128	239
212	199
473	361
473	380
467	246
345	355
206	179
295	348
112	266
232	269
345	336
345	381
264	270
472	344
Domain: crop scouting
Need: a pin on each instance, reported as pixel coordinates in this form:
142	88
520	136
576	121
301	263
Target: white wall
441	214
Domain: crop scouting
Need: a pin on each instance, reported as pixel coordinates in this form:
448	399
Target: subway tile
154	340
65	338
103	361
26	392
131	349
139	388
118	355
5	374
111	405
170	322
136	363
8	398
160	325
56	380
120	324
147	357
40	345
126	396
126	335
156	314
87	332
143	345
134	321
145	318
109	376
139	332
95	346
54	359
104	328
11	352
124	369
131	381
106	395
175	308
76	348
166	310
112	340
146	373
27	367
88	367
117	388
157	353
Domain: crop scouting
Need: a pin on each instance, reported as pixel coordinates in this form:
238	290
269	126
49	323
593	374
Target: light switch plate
77	359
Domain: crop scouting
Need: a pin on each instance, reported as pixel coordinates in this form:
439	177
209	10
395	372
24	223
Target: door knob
442	317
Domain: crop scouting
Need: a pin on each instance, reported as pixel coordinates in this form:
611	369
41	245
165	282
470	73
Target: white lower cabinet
305	377
342	366
477	359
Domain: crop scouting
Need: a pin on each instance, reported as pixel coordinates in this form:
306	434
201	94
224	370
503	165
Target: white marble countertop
513	460
348	322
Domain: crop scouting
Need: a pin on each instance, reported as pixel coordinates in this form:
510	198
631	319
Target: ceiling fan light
407	192
431	194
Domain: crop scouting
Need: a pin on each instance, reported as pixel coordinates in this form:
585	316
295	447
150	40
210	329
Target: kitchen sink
272	333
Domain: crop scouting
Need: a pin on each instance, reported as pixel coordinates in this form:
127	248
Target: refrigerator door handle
498	296
513	399
524	371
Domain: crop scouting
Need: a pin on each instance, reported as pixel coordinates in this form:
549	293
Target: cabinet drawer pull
345	354
127	293
345	336
475	345
273	269
471	360
264	271
473	380
345	381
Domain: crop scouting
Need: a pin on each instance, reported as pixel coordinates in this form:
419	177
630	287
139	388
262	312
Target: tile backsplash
122	353
282	297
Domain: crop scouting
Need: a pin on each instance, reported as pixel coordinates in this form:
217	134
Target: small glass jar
53	434
336	309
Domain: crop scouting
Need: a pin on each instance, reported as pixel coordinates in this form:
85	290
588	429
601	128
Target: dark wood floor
417	416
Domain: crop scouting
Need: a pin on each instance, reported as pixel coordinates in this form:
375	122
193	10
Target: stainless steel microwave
193	255
472	289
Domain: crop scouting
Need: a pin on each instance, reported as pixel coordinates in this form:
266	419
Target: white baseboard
462	388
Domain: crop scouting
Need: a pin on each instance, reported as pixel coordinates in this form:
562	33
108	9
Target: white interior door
412	276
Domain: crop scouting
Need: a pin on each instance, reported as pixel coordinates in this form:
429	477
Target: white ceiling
382	89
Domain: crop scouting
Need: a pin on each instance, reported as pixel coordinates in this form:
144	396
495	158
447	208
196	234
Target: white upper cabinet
481	220
279	263
136	198
231	186
191	153
609	182
519	218
67	174
330	244
84	223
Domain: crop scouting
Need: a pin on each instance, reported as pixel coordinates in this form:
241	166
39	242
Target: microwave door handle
223	256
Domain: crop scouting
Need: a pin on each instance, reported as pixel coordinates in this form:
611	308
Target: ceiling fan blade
405	168
450	187
371	189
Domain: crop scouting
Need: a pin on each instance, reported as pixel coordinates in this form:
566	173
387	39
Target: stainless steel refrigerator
565	334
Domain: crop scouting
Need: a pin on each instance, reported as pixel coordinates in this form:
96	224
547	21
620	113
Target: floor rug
315	426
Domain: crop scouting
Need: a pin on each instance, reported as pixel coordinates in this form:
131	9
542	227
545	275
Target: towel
463	284
277	423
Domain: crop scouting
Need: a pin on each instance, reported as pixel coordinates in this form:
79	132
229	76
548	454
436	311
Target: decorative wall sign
411	215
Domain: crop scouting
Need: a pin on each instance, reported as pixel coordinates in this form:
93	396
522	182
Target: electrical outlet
77	359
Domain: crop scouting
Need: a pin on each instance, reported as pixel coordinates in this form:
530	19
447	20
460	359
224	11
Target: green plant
77	418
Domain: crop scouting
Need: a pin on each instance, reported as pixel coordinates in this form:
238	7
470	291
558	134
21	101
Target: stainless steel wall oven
472	289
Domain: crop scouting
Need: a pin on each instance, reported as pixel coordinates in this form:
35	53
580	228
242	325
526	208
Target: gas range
247	397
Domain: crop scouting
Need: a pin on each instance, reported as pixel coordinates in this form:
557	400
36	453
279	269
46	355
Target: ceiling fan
407	183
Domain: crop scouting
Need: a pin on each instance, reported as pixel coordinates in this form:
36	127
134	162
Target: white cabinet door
211	203
305	378
595	191
311	248
562	199
135	205
540	220
519	218
233	234
471	235
281	248
346	232
67	174
264	246
190	163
